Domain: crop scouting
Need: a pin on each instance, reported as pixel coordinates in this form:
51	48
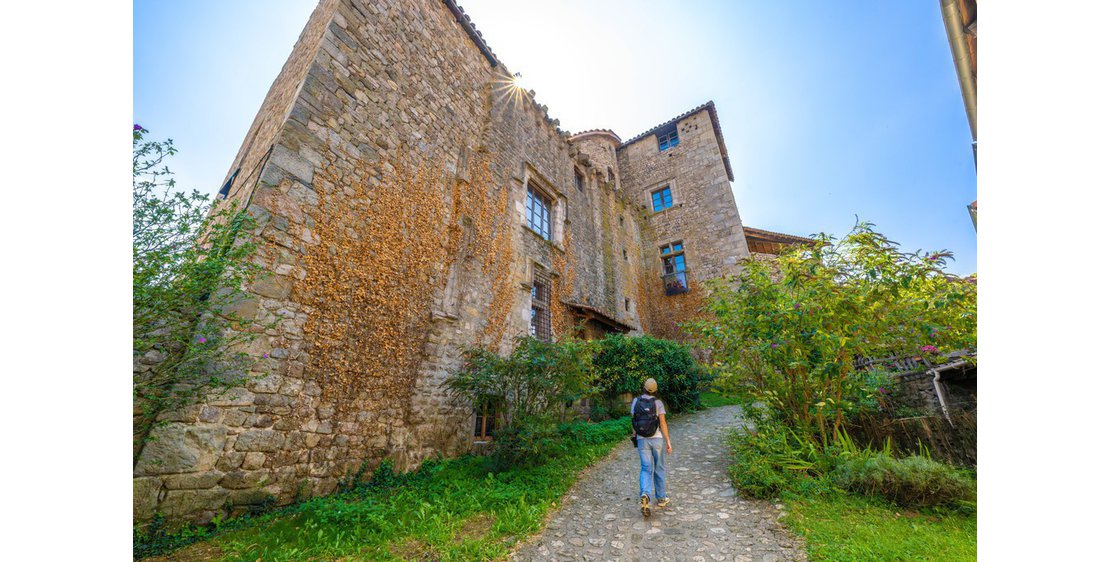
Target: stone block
254	461
240	479
176	447
144	497
182	504
192	481
260	440
273	286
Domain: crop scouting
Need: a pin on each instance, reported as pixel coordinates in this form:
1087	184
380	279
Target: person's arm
666	434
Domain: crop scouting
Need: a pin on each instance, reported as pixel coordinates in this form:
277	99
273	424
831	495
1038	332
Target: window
485	421
538	209
667	137
609	172
661	199
622	220
227	186
579	180
674	268
624	253
540	327
627	305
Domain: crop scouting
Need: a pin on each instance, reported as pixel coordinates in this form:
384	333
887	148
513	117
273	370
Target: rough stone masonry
386	80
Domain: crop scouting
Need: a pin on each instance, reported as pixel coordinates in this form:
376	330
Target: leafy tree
790	331
189	264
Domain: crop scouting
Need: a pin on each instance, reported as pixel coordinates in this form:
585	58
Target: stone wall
377	81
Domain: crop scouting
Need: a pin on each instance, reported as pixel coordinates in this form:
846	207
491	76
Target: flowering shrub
790	331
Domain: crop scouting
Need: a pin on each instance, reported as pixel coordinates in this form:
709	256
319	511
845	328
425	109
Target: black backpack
645	422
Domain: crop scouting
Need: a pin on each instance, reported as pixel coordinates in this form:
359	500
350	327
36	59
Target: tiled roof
776	236
475	35
709	105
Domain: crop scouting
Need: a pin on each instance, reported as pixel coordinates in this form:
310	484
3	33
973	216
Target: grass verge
447	510
851	528
713	399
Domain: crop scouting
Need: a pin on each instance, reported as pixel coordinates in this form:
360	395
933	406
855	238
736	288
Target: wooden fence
953	443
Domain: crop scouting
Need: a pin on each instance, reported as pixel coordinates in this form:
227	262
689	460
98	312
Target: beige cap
650	385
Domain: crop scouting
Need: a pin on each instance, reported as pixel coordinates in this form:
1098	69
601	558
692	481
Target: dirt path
600	516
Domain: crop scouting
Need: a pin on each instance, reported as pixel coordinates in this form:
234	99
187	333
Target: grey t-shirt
659	410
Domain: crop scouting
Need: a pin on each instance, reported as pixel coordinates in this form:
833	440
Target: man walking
650	424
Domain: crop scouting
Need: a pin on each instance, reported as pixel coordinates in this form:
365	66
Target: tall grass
453	509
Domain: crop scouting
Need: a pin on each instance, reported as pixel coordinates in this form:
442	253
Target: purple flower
774	345
202	340
265	355
882	390
797	306
138	127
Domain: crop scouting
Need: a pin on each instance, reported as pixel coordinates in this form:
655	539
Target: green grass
851	528
447	510
712	400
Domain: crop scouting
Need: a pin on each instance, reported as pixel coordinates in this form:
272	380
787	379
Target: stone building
589	231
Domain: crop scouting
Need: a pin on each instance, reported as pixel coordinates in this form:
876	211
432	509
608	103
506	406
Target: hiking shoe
645	505
663	502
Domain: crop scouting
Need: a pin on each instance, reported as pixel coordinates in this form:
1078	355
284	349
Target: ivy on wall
385	234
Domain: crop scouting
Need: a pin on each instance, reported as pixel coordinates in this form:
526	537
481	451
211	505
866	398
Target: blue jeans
651	466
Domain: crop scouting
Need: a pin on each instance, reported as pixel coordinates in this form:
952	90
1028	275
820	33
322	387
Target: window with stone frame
538	210
540	324
661	199
674	268
579	180
485	421
667	137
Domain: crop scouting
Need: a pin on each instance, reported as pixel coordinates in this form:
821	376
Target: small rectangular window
485	421
661	199
609	172
667	137
627	305
540	326
538	209
579	180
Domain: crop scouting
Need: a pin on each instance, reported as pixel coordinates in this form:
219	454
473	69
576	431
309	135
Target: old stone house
589	230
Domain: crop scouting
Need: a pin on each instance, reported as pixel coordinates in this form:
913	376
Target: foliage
914	481
772	460
189	264
846	528
793	329
623	363
529	390
376	263
455	508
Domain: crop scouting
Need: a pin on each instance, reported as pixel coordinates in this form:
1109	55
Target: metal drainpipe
961	55
936	386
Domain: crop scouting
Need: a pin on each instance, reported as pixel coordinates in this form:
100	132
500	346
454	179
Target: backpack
645	422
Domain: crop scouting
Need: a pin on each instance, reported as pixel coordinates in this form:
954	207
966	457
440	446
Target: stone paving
600	516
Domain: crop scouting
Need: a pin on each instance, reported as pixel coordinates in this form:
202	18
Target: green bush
911	482
774	459
622	364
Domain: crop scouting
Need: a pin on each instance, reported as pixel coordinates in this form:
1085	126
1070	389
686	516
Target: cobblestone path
600	516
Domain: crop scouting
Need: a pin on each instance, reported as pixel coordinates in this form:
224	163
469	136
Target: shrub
791	330
911	482
772	460
622	363
529	390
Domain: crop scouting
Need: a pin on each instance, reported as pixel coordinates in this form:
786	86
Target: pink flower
928	349
774	345
202	340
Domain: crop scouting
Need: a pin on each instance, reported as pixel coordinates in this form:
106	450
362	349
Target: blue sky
828	110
